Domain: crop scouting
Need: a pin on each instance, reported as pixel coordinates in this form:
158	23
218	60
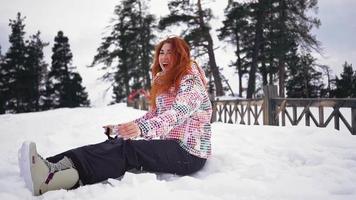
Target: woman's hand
129	130
109	129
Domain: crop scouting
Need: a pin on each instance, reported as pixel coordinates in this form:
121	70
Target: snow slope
248	162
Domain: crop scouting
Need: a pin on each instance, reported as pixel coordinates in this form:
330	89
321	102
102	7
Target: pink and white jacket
183	115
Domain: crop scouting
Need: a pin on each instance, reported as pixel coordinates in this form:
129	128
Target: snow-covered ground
248	162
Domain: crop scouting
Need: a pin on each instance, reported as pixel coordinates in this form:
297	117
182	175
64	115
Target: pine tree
145	40
63	87
37	70
196	32
281	26
293	26
354	85
346	84
327	92
259	10
76	94
304	81
1	56
12	87
277	30
127	51
235	32
2	84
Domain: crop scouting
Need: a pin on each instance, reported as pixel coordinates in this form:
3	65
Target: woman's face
166	57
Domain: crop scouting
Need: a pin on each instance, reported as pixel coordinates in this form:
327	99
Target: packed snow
248	162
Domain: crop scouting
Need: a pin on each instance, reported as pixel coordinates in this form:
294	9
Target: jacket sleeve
187	101
148	115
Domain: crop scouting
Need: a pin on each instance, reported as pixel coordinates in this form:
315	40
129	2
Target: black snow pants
112	158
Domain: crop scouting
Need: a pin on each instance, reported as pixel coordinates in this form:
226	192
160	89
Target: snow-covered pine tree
235	31
37	70
63	87
1	56
346	84
127	51
77	94
304	81
268	34
12	87
2	99
196	31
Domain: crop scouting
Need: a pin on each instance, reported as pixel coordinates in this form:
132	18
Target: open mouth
165	65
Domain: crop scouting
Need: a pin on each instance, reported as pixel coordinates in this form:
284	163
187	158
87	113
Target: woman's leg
165	156
97	162
112	158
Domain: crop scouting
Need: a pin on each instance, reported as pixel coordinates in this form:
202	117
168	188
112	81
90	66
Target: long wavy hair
181	66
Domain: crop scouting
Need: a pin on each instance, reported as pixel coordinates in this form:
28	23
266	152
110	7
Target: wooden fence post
144	105
269	108
130	103
136	104
353	122
215	110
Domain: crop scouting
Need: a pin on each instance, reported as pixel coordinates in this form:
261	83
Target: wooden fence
275	111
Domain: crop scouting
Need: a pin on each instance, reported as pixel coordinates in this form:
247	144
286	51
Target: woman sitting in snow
176	132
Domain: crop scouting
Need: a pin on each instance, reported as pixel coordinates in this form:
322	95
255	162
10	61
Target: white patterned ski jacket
183	115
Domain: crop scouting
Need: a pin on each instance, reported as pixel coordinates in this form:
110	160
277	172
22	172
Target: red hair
181	66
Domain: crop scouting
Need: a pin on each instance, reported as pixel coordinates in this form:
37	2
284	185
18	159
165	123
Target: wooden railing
272	110
275	111
319	120
242	111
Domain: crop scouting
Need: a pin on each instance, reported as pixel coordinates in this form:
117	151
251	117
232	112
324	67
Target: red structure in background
135	94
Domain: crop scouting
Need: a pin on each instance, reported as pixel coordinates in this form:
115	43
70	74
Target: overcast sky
84	22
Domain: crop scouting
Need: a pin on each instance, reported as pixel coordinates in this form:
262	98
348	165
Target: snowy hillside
248	162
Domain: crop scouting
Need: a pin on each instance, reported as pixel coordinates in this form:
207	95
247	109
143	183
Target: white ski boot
39	175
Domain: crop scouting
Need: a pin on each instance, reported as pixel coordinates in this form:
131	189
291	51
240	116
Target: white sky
84	22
